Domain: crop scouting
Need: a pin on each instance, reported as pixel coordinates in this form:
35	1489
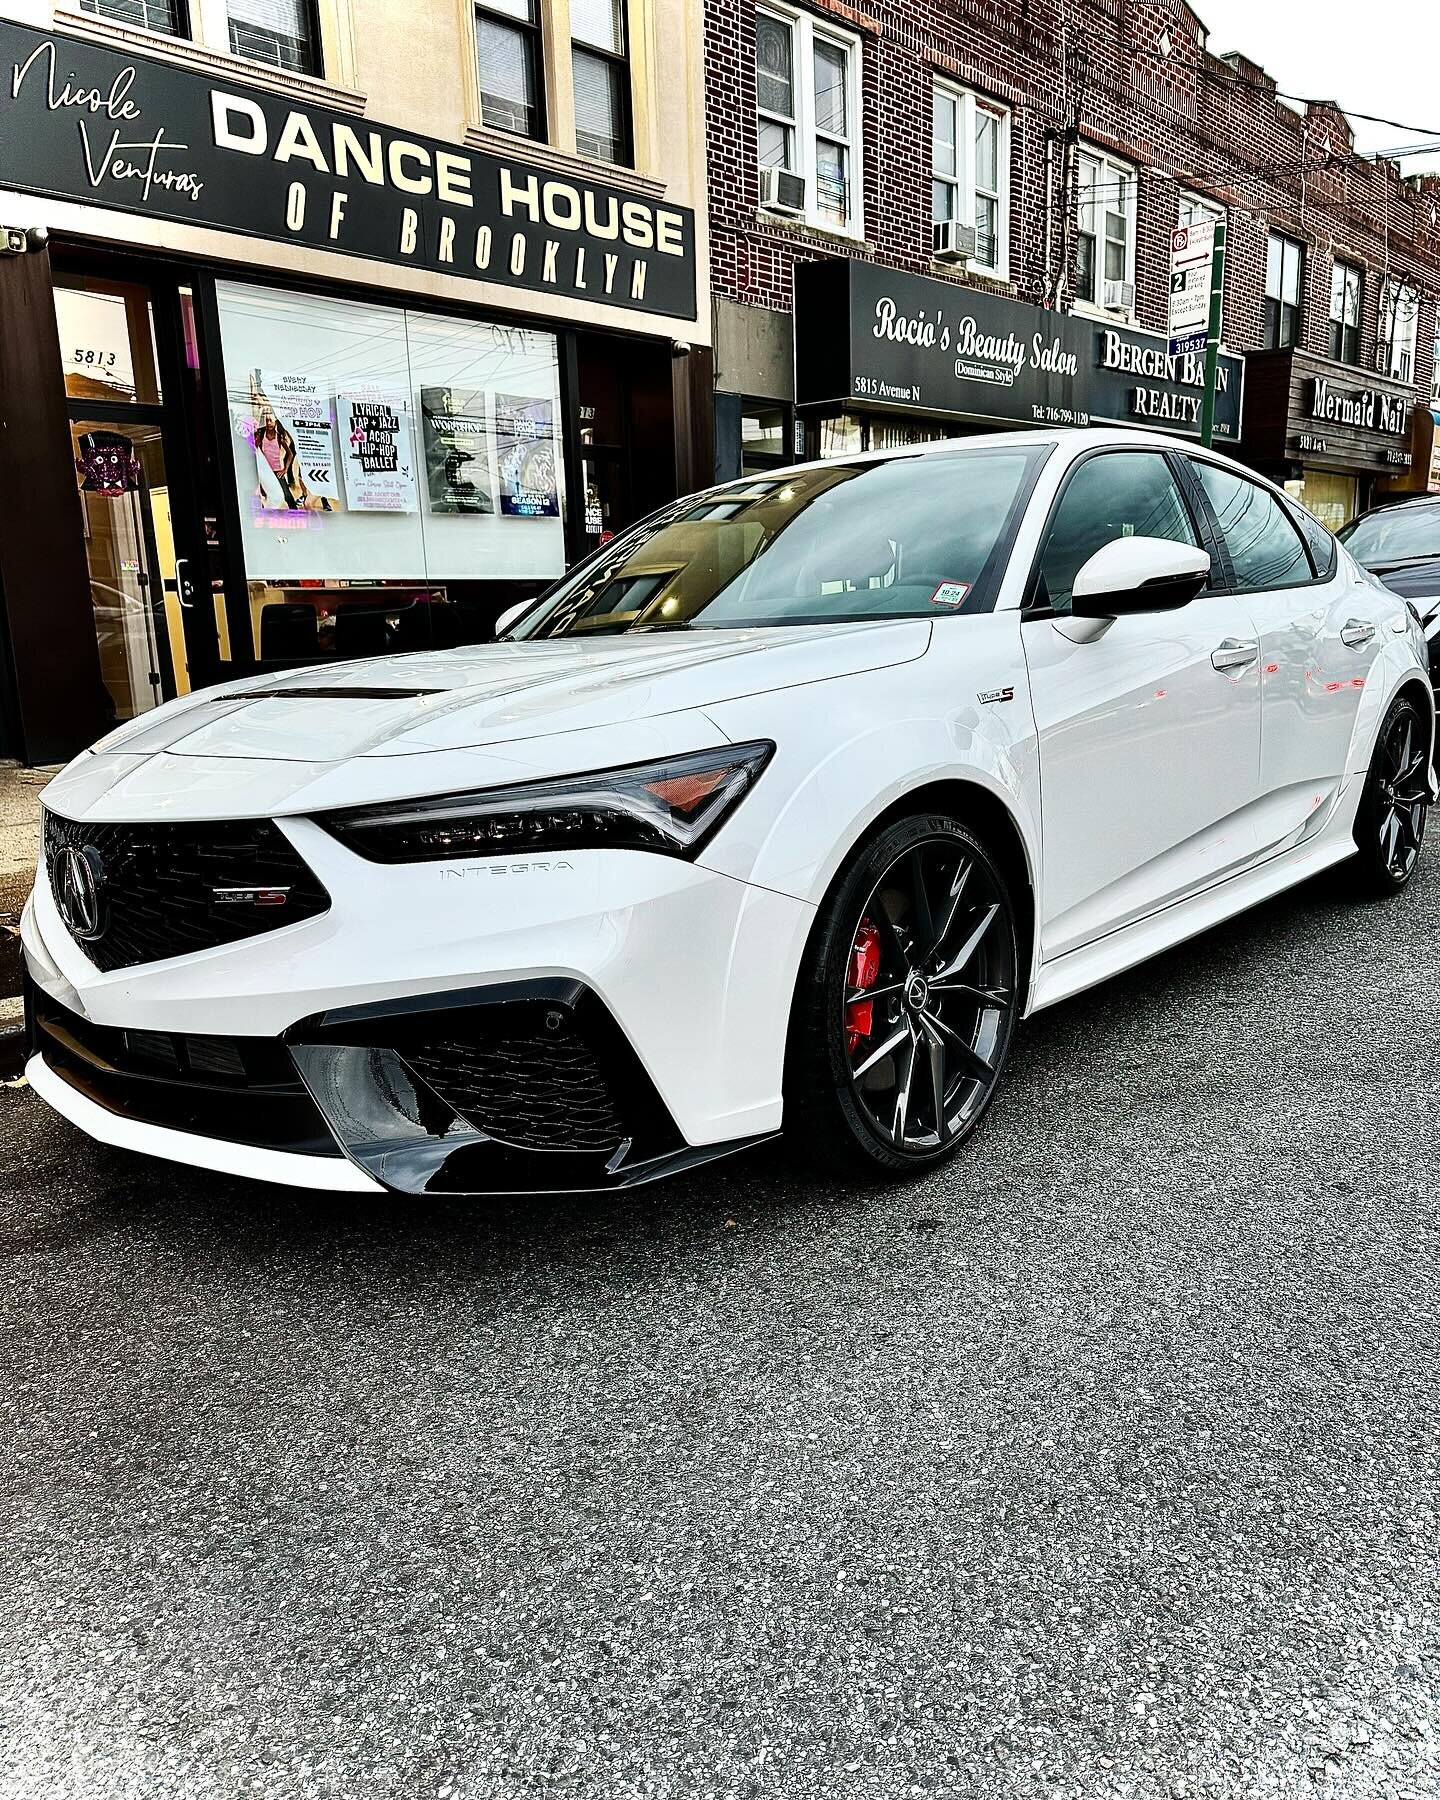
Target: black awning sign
82	122
877	337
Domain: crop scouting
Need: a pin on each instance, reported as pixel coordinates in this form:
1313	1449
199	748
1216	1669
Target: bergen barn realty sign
86	123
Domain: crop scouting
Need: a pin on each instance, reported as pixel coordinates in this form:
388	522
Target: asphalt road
1105	1464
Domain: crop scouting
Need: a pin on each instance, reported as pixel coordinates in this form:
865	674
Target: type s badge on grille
250	896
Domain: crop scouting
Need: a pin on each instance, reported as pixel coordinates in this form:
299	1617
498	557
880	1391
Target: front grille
243	1090
158	887
539	1090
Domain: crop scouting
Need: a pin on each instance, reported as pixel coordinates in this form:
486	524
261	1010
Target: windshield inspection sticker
950	593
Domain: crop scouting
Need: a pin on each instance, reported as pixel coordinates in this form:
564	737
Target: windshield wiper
1401	562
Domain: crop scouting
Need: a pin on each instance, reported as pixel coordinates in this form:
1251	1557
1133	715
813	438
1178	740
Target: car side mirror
1138	575
511	614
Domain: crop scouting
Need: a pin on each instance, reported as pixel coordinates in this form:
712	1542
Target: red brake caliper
864	972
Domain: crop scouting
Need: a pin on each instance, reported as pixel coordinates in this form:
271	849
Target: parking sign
1191	248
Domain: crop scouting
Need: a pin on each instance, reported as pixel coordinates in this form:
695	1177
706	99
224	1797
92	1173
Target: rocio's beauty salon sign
874	337
86	123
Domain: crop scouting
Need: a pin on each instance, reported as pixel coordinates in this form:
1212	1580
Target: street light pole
1212	337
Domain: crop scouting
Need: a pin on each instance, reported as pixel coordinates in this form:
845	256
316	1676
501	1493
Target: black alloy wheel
1390	823
907	1003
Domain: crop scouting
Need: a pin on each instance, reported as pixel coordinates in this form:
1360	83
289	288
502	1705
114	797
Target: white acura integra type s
779	810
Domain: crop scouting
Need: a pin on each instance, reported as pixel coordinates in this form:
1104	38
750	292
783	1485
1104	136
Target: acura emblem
78	891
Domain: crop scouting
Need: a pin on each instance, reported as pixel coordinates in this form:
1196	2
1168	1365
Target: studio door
127	347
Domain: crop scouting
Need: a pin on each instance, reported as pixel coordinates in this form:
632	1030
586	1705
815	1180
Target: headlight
672	806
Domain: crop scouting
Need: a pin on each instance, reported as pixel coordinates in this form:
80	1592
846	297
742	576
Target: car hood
441	721
494	693
1418	581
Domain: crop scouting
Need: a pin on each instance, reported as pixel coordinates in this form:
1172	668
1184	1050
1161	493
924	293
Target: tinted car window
1266	550
1130	493
1393	534
1317	539
910	536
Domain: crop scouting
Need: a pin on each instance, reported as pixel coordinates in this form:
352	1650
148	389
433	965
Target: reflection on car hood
496	693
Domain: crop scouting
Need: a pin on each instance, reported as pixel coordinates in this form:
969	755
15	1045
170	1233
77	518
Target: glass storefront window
377	445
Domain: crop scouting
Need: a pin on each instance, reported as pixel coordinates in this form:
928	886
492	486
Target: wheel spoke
937	1084
952	910
975	1064
970	946
889	931
987	996
872	993
902	1098
881	1052
922	920
1389	838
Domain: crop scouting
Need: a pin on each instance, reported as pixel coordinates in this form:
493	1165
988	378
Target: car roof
1075	438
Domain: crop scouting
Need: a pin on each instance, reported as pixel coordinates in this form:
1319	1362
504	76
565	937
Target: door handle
181	584
1234	653
1356	633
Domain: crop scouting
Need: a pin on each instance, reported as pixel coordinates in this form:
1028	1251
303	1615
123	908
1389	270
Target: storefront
884	359
1337	437
286	385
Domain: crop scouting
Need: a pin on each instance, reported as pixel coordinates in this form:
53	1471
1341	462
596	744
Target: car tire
905	1006
1390	820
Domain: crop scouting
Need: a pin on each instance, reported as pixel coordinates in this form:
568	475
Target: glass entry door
130	379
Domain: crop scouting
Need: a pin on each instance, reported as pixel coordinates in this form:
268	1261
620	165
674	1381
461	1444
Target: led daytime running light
672	807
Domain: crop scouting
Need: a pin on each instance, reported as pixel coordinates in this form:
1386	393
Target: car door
1149	733
1318	642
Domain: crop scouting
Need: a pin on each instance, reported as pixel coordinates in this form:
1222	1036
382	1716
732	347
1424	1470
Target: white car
780	811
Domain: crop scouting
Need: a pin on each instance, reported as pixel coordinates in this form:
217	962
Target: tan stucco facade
412	66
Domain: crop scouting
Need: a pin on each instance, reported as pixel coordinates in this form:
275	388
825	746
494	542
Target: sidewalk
19	850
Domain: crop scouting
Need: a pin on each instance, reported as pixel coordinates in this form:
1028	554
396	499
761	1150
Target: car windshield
910	536
1394	534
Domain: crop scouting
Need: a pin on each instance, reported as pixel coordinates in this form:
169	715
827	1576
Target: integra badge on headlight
250	896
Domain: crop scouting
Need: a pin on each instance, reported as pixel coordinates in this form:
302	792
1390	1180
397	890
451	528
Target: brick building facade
1073	83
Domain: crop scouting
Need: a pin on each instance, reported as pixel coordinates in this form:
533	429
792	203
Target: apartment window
508	55
600	63
1435	366
169	16
1195	209
1347	287
1399	326
1284	282
1105	241
283	33
807	113
970	171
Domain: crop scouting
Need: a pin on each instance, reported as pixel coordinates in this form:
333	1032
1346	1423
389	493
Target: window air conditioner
951	241
782	191
1120	296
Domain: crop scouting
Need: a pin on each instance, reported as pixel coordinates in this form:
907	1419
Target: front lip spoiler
405	1133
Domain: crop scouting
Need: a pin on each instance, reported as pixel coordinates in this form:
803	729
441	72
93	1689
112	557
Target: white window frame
804	32
1108	169
968	106
1398	299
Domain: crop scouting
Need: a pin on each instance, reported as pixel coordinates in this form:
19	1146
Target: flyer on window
457	450
376	451
525	449
287	424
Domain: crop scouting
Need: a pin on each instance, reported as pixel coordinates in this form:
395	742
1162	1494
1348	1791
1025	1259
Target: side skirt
1147	937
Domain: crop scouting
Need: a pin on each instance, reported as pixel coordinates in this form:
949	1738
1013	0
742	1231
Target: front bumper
476	1028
